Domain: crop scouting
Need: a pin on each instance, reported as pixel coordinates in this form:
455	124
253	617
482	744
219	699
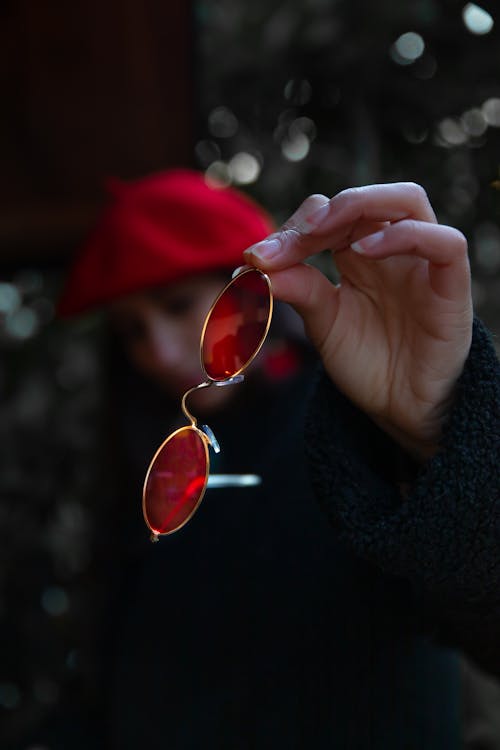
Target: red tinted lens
176	481
236	326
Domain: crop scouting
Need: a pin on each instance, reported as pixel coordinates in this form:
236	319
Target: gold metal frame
236	377
207	318
155	535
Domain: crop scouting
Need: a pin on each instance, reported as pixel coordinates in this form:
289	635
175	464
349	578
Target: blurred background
278	98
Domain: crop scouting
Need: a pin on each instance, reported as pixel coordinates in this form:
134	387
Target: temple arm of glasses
233	480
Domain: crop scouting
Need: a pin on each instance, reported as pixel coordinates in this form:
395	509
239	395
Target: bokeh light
10	695
207	152
21	324
244	168
222	123
55	601
487	246
491	112
298	91
296	146
218	174
10	298
407	48
474	122
476	19
451	132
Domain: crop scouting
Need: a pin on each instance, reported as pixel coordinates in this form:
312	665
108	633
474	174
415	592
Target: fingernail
366	243
265	250
237	271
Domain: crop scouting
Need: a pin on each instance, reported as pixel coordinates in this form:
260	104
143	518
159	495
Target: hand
395	333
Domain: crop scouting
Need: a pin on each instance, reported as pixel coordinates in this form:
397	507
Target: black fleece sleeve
444	535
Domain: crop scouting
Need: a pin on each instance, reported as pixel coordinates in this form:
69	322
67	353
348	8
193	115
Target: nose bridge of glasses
186	412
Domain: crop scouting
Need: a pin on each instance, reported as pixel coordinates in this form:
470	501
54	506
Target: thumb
294	241
312	295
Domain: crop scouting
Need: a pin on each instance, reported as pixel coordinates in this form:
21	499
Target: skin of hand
395	332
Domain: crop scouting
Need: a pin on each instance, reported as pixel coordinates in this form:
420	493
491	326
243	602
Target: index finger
320	223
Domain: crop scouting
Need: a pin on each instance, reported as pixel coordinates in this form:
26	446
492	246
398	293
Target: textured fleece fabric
443	536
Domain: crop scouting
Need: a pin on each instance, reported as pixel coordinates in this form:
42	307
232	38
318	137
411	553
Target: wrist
418	449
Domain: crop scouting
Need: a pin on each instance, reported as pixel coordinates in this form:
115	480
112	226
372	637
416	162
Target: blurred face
160	330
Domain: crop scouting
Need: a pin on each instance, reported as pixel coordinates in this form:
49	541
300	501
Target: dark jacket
261	625
272	621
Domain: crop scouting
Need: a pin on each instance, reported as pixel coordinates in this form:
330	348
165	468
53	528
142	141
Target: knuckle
301	221
349	194
317	198
461	242
416	191
290	232
411	229
349	198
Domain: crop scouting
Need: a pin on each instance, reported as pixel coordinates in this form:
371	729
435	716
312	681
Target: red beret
158	229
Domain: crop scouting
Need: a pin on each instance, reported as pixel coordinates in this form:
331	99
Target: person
274	620
192	621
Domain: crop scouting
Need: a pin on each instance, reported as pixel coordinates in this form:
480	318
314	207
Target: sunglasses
233	333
